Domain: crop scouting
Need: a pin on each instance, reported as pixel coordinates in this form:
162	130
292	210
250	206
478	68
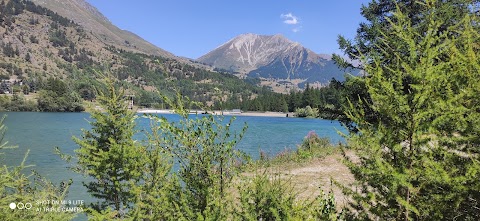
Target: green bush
307	112
271	197
50	101
314	146
313	141
311	147
265	198
17	103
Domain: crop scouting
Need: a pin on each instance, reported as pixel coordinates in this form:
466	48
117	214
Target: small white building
236	111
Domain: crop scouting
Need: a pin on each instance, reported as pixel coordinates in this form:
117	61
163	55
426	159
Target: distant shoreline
225	113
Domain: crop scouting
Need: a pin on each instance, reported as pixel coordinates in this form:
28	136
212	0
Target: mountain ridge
272	57
267	44
86	15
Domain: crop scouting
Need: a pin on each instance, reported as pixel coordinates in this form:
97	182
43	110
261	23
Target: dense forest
325	98
329	102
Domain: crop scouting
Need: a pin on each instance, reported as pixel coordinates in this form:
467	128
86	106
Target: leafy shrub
314	146
50	101
313	141
265	197
307	112
19	103
16	103
311	147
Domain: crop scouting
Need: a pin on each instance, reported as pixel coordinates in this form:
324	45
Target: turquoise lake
41	132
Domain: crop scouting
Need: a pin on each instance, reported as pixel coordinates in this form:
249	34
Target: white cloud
290	19
297	29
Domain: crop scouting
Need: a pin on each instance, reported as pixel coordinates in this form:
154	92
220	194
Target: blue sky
191	28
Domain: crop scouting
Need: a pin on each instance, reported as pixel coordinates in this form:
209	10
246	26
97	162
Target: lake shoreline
218	112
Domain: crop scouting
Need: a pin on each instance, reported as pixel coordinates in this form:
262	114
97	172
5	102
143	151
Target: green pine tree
205	150
370	34
420	161
109	155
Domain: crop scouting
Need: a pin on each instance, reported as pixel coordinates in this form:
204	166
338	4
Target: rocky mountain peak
249	51
272	57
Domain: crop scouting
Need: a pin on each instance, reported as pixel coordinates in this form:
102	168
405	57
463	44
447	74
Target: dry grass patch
309	177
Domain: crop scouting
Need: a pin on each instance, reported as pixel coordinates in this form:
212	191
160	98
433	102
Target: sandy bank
217	112
154	111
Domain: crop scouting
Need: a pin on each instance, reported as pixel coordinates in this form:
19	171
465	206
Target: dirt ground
309	177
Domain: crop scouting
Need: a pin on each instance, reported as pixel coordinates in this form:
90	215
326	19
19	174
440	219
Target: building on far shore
129	101
236	111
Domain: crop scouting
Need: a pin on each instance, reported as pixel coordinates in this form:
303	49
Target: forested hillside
39	47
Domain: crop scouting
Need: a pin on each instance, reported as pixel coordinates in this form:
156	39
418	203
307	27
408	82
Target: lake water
41	132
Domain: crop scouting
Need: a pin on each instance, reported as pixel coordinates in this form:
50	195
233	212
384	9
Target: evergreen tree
8	50
27	57
205	149
109	154
308	96
282	105
378	14
420	161
17	52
